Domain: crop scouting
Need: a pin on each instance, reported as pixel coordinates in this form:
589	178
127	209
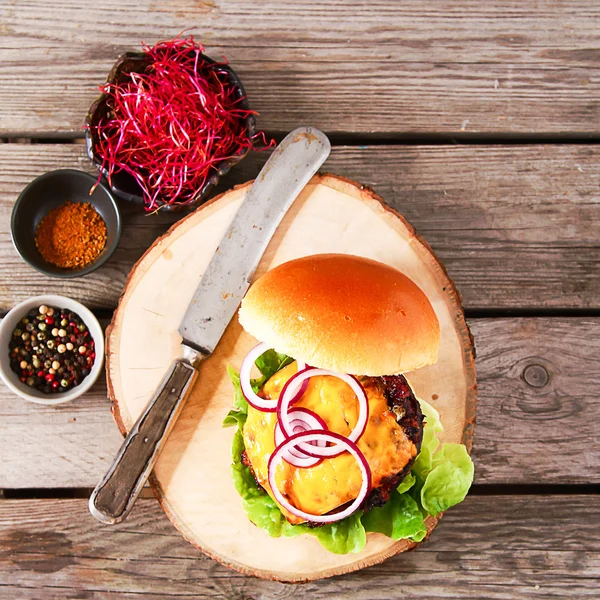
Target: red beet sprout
171	126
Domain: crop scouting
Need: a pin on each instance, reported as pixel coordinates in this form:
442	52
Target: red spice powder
71	235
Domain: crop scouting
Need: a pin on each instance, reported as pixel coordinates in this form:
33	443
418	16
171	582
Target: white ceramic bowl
8	325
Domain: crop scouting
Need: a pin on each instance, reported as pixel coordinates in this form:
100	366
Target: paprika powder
71	235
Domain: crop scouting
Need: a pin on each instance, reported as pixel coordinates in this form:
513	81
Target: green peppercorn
64	383
25	336
42	326
17	333
50	344
30	381
36	363
64	323
41	336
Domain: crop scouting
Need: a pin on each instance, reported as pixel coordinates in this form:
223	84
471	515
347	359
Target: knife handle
114	496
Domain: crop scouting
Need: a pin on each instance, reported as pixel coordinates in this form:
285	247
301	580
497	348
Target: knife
214	303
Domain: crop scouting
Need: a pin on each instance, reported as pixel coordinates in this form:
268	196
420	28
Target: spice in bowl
172	126
71	236
51	350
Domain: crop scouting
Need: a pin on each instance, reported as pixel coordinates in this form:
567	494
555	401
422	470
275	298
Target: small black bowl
122	184
46	193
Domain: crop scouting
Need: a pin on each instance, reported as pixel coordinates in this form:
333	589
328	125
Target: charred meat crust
405	406
402	402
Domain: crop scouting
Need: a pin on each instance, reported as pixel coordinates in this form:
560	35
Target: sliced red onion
288	396
254	399
320	436
302	420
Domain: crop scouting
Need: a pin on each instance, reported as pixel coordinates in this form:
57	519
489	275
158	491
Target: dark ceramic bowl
49	191
122	183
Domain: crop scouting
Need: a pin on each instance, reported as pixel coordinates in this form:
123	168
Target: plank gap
470	313
45	493
392	138
493	489
531	313
544	489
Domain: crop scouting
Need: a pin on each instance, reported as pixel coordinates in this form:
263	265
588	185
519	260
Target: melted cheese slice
335	481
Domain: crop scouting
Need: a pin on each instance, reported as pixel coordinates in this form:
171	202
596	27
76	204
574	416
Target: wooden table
479	121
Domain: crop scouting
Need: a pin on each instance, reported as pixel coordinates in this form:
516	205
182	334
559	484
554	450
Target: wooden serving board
192	476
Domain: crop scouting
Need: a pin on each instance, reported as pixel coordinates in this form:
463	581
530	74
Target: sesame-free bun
343	313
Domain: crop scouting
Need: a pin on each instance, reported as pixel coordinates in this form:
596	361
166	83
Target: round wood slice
192	476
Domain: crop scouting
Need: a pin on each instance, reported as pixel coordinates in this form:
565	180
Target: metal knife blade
219	293
230	271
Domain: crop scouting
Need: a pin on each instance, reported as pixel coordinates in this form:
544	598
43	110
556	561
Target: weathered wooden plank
498	547
526	433
70	445
516	226
538	409
343	66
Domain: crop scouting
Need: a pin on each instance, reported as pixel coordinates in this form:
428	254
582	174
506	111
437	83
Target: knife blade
229	273
215	301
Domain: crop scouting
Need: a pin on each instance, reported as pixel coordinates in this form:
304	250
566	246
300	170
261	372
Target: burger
331	440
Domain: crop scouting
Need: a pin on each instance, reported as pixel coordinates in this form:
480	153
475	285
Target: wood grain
524	434
539	408
496	547
516	227
69	445
498	66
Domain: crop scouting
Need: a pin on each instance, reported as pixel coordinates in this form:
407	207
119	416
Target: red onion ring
317	436
287	398
302	420
252	398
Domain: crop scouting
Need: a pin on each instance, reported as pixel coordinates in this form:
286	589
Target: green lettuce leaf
440	478
239	402
449	480
268	364
406	484
259	506
235	417
342	537
400	517
430	443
